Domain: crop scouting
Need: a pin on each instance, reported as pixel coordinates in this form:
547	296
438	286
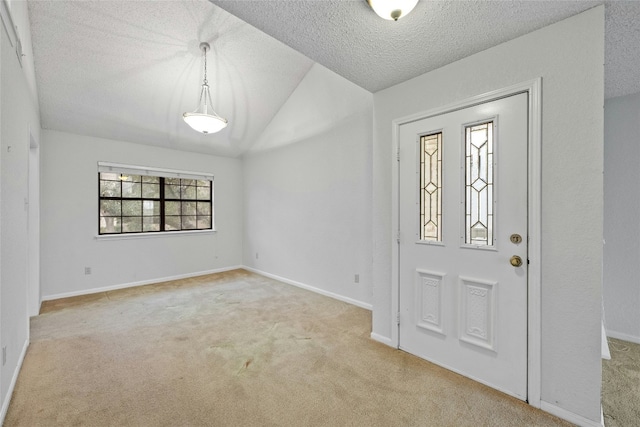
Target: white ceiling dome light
392	9
204	119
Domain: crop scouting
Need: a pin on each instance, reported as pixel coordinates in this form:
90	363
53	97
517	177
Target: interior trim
7	21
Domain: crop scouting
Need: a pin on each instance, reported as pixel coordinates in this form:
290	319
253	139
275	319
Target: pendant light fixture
204	119
392	9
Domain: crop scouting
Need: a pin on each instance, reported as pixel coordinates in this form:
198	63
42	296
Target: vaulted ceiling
127	70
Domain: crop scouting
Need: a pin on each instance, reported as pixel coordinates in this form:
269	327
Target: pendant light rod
205	47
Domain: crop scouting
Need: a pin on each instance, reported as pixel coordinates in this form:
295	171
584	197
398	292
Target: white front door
463	232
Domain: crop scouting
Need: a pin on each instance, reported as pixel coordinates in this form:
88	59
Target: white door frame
534	133
33	226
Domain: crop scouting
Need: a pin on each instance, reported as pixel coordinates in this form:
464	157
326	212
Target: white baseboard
140	283
382	339
623	336
14	379
570	416
311	288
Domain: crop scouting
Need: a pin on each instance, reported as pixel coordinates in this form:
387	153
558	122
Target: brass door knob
516	261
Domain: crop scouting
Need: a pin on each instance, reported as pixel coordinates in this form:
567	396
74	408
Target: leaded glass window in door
479	171
431	187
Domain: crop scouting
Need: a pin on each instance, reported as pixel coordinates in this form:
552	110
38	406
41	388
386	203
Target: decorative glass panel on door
479	184
431	187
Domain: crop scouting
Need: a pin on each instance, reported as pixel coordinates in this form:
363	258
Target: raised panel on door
463	193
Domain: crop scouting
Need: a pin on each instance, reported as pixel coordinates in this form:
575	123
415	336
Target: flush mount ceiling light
392	9
204	119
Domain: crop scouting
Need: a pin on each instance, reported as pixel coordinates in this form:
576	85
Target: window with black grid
139	203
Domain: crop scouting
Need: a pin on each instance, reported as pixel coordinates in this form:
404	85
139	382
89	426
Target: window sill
127	236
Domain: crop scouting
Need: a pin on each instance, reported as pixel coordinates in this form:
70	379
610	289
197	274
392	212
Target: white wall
621	217
308	204
18	114
569	56
70	218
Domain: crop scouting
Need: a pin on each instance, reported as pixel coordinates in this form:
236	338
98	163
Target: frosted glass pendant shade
204	119
392	9
205	123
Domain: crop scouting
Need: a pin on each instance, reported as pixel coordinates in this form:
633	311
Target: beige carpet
235	349
621	385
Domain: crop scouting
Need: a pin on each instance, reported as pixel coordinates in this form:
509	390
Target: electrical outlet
87	270
356	279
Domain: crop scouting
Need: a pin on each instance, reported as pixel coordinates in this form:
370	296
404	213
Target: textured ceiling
622	48
128	69
348	38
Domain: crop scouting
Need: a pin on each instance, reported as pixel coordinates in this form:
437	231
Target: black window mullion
121	217
162	202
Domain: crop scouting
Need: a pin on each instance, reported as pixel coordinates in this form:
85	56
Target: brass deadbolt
515	238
